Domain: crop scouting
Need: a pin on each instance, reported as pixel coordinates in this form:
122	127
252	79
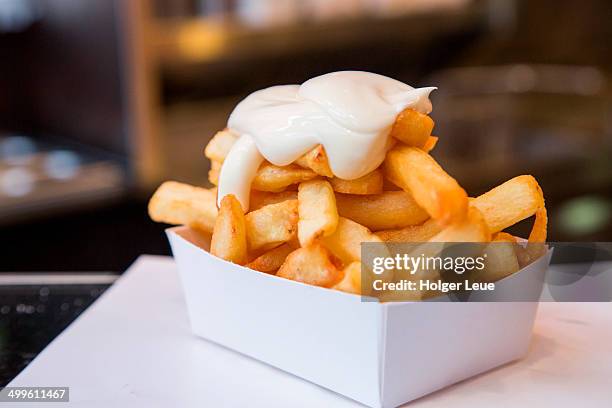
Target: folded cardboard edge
179	232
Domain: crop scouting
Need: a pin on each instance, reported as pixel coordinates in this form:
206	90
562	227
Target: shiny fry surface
229	235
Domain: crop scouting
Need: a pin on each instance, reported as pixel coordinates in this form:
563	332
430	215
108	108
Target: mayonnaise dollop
350	113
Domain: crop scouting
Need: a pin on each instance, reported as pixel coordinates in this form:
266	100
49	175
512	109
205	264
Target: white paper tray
380	354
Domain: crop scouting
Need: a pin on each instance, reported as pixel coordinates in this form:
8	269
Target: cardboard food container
380	354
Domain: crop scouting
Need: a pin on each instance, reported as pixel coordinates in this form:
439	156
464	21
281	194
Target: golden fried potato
312	264
510	202
275	179
220	145
415	233
262	198
316	160
430	143
318	215
346	240
271	260
536	245
229	235
181	204
501	258
213	173
473	228
371	183
272	225
391	209
432	188
540	225
351	279
412	127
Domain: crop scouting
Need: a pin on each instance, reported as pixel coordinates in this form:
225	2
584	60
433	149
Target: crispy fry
318	215
504	237
501	258
316	160
391	209
510	202
220	145
432	188
351	279
535	246
272	260
262	198
275	179
371	183
473	228
313	264
272	225
430	144
346	240
412	127
539	229
213	173
229	235
181	204
416	233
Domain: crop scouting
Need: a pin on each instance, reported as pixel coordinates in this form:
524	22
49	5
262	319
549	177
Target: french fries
316	160
346	240
501	258
182	204
262	198
213	173
432	188
471	229
371	183
318	215
430	144
351	279
307	225
312	264
416	233
272	225
220	145
272	260
276	179
389	210
229	235
510	202
412	128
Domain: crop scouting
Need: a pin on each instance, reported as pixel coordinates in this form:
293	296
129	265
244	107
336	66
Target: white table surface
133	348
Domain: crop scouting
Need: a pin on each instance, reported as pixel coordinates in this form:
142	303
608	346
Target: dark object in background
33	315
94	239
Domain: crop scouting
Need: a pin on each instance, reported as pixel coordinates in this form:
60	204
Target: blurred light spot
521	78
16	182
585	215
589	81
17	150
16	15
62	164
201	41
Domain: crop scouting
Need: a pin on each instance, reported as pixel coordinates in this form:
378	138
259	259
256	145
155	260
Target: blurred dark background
100	100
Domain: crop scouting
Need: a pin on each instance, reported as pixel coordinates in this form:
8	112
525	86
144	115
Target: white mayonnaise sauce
350	113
